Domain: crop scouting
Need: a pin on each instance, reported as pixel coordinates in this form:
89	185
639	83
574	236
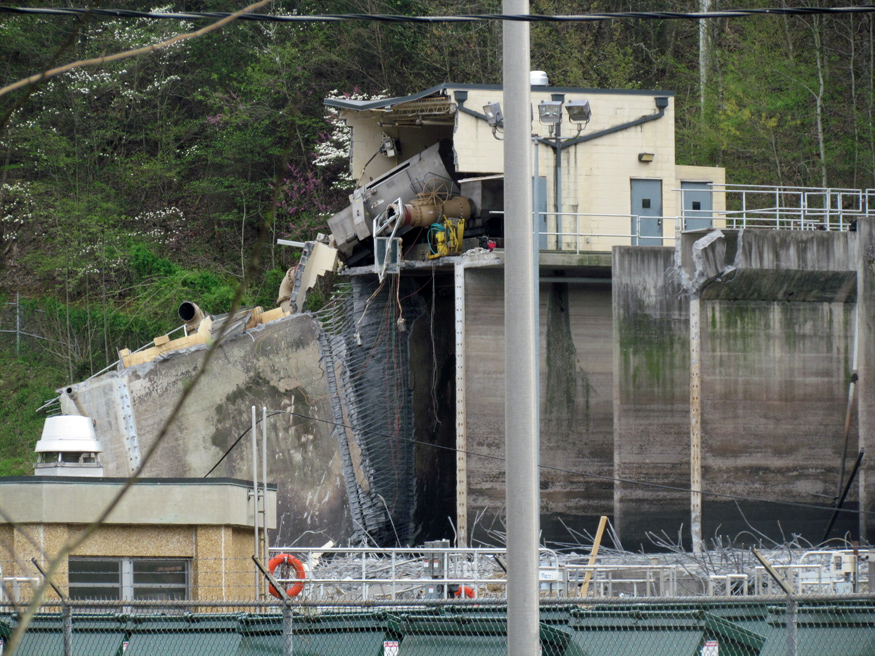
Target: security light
645	157
550	111
579	111
493	114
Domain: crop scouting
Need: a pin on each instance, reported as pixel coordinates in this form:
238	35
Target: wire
562	470
237	441
365	167
462	18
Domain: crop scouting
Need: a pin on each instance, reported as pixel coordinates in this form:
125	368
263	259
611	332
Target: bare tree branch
130	53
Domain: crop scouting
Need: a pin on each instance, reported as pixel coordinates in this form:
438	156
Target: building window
124	579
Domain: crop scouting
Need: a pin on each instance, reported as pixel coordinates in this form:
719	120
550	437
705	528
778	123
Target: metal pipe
255	490
695	427
264	480
67	615
851	387
521	380
558	183
841	500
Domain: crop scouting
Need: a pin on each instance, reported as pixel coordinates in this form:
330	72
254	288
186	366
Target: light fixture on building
493	114
645	157
579	111
550	111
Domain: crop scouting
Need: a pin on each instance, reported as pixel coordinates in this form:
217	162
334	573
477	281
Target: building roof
442	89
179	501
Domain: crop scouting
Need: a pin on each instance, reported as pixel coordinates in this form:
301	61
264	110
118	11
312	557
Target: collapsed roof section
591	167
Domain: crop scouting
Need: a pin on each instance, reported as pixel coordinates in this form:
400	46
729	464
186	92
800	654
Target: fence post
792	607
17	323
287	630
67	615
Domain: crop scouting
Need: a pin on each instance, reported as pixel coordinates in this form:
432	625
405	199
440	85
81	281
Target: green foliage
129	187
145	263
26	382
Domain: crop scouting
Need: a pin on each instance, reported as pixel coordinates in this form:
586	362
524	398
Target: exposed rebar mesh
364	348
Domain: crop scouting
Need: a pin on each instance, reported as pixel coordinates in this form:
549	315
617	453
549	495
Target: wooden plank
595	552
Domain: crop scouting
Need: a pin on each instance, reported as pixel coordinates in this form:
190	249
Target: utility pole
521	375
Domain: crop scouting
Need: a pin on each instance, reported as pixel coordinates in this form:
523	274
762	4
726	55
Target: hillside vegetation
131	186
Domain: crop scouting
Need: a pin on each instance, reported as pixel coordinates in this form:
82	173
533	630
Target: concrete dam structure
377	391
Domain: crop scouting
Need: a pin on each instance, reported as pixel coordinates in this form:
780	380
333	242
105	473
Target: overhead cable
462	18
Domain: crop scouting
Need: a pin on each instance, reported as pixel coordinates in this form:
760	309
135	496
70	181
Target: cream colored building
166	539
618	179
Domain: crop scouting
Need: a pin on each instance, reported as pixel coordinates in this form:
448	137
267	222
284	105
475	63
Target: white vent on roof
68	447
538	79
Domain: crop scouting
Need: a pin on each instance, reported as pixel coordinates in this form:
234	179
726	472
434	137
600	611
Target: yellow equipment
445	237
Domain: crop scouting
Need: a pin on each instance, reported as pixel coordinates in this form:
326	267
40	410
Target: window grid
125	579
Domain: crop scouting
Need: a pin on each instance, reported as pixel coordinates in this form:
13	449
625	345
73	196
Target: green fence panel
824	630
751	616
335	634
188	635
92	635
483	634
658	633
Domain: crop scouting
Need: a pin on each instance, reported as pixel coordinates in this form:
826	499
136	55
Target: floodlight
493	114
579	111
646	157
550	111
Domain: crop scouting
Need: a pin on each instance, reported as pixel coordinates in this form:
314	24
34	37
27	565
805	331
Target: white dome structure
68	447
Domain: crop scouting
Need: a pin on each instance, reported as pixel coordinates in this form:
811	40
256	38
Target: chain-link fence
704	626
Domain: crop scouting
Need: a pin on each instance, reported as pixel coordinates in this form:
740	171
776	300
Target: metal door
698	205
646	202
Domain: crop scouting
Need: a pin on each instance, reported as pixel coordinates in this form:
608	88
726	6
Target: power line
462	18
615	479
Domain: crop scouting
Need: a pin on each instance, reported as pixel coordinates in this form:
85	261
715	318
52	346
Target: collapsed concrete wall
275	365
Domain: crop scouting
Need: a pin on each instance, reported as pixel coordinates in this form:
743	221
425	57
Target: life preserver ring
294	563
465	590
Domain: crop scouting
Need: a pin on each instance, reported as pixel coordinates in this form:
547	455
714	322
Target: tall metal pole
264	482
695	426
521	379
255	490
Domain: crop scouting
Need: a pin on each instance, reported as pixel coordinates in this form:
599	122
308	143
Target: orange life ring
465	590
286	559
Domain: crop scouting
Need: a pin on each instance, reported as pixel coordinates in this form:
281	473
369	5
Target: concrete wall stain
567	382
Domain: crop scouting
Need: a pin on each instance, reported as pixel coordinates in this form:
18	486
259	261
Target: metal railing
740	207
404	573
625	229
791	208
435	573
622	580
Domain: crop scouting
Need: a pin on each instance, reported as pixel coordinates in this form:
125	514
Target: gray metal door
539	196
646	202
698	205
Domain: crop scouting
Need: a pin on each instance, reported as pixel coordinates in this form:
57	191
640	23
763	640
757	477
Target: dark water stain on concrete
568	388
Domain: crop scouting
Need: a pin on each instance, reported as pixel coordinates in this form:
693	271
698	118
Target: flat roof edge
364	106
237	482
